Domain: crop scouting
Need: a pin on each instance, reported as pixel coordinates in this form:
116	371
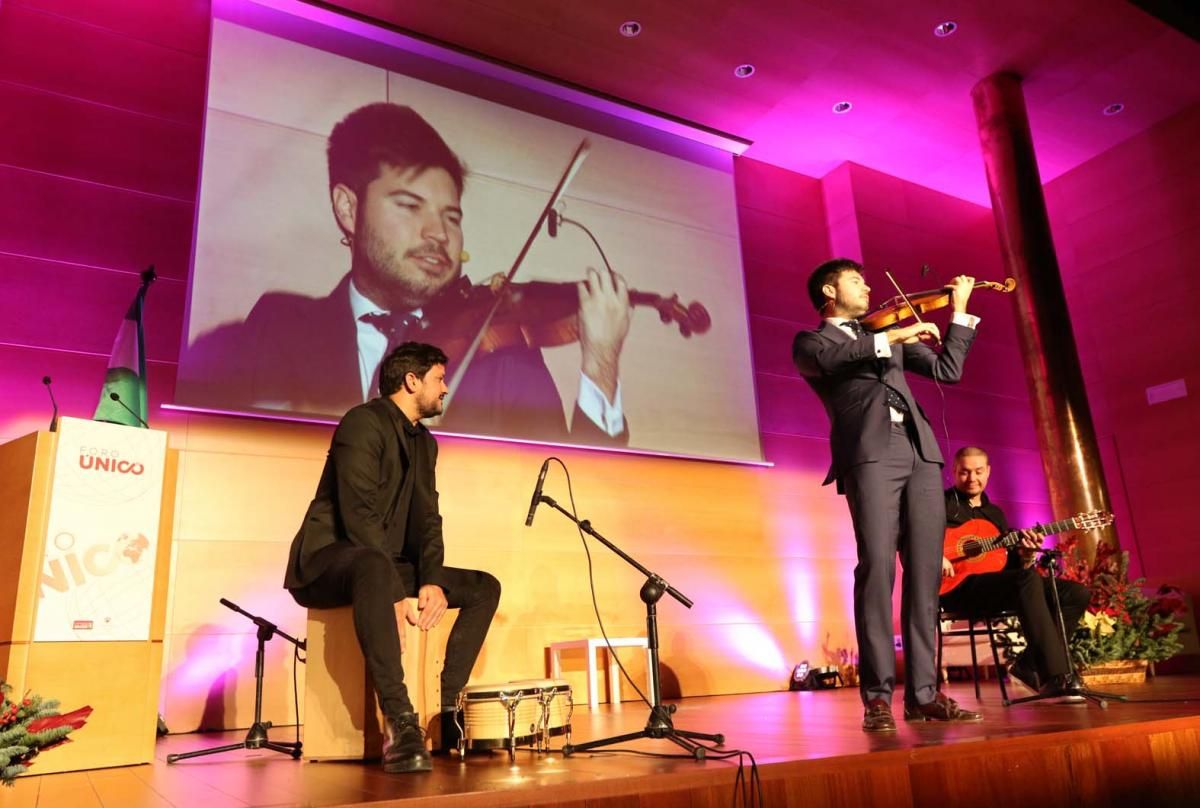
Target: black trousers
897	506
372	583
1029	594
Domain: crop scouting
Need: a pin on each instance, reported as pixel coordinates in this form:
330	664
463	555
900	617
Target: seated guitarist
1043	665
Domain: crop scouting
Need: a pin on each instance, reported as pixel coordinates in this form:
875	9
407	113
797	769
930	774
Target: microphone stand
1074	685
256	737
659	725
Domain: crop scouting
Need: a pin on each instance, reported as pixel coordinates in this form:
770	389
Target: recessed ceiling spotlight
945	28
744	71
1114	109
630	28
842	107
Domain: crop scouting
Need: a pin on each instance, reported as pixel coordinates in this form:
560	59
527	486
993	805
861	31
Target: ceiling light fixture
1114	109
944	29
842	107
630	28
744	71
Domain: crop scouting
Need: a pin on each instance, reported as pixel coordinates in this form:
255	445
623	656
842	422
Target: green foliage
18	746
1121	622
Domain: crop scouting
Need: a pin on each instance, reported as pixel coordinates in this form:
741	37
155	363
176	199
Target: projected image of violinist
583	278
395	191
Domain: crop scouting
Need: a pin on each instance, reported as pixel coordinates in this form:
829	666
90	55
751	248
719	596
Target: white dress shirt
884	351
373	344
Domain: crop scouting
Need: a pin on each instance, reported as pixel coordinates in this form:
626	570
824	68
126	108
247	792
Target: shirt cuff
610	417
882	349
962	318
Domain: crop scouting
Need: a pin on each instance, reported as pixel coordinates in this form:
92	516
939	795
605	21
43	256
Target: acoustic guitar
976	546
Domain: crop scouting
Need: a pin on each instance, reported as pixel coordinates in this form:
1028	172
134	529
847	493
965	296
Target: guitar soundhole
971	548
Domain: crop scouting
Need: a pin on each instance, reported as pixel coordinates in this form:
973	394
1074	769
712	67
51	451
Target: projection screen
294	269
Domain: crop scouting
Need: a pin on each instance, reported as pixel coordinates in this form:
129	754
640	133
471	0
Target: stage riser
1154	764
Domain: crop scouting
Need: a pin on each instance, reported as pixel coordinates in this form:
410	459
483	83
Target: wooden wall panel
77	381
98	143
1125	223
243	498
61	53
179	25
249	573
208	683
66	220
87	307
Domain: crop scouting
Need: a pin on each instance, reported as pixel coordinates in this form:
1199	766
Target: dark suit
300	354
373	536
891	475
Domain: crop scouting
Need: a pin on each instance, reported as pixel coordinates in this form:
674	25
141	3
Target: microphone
117	399
552	223
537	492
53	418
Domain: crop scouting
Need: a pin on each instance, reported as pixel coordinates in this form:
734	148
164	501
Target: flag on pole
126	376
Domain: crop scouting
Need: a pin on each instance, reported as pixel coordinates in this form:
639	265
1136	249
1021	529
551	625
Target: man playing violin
886	461
395	190
1043	666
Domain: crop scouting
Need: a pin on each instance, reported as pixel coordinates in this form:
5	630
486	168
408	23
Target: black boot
404	745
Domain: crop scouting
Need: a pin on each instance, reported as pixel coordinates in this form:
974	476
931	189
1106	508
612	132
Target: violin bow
904	297
581	151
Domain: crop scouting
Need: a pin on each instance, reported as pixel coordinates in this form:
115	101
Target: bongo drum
498	716
557	706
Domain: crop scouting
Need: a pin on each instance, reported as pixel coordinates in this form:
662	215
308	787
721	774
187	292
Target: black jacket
369	496
852	384
299	354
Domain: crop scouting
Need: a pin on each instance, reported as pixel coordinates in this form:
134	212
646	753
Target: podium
85	551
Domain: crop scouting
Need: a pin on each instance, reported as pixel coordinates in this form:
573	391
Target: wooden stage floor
809	748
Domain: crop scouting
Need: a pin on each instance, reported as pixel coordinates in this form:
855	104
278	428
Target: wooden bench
591	645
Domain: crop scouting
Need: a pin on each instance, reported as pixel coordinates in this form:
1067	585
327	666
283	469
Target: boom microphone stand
659	725
1074	685
256	738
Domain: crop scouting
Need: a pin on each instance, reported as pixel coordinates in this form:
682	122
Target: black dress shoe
1023	672
1066	685
404	745
942	708
877	717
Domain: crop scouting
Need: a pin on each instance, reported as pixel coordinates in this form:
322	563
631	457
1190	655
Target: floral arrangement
31	725
1121	622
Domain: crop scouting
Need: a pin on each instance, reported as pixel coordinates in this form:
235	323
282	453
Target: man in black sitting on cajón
372	537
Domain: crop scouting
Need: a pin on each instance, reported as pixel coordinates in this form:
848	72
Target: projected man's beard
405	281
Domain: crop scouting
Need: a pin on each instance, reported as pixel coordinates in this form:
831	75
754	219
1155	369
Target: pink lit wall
98	166
789	224
904	228
1127	231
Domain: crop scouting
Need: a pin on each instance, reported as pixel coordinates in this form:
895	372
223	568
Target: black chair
991	624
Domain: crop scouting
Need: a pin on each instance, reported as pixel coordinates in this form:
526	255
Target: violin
534	314
899	309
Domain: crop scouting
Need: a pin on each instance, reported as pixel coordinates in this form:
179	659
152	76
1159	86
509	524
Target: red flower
75	718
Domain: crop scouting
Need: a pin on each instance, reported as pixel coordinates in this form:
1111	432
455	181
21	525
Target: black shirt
418	473
959	511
